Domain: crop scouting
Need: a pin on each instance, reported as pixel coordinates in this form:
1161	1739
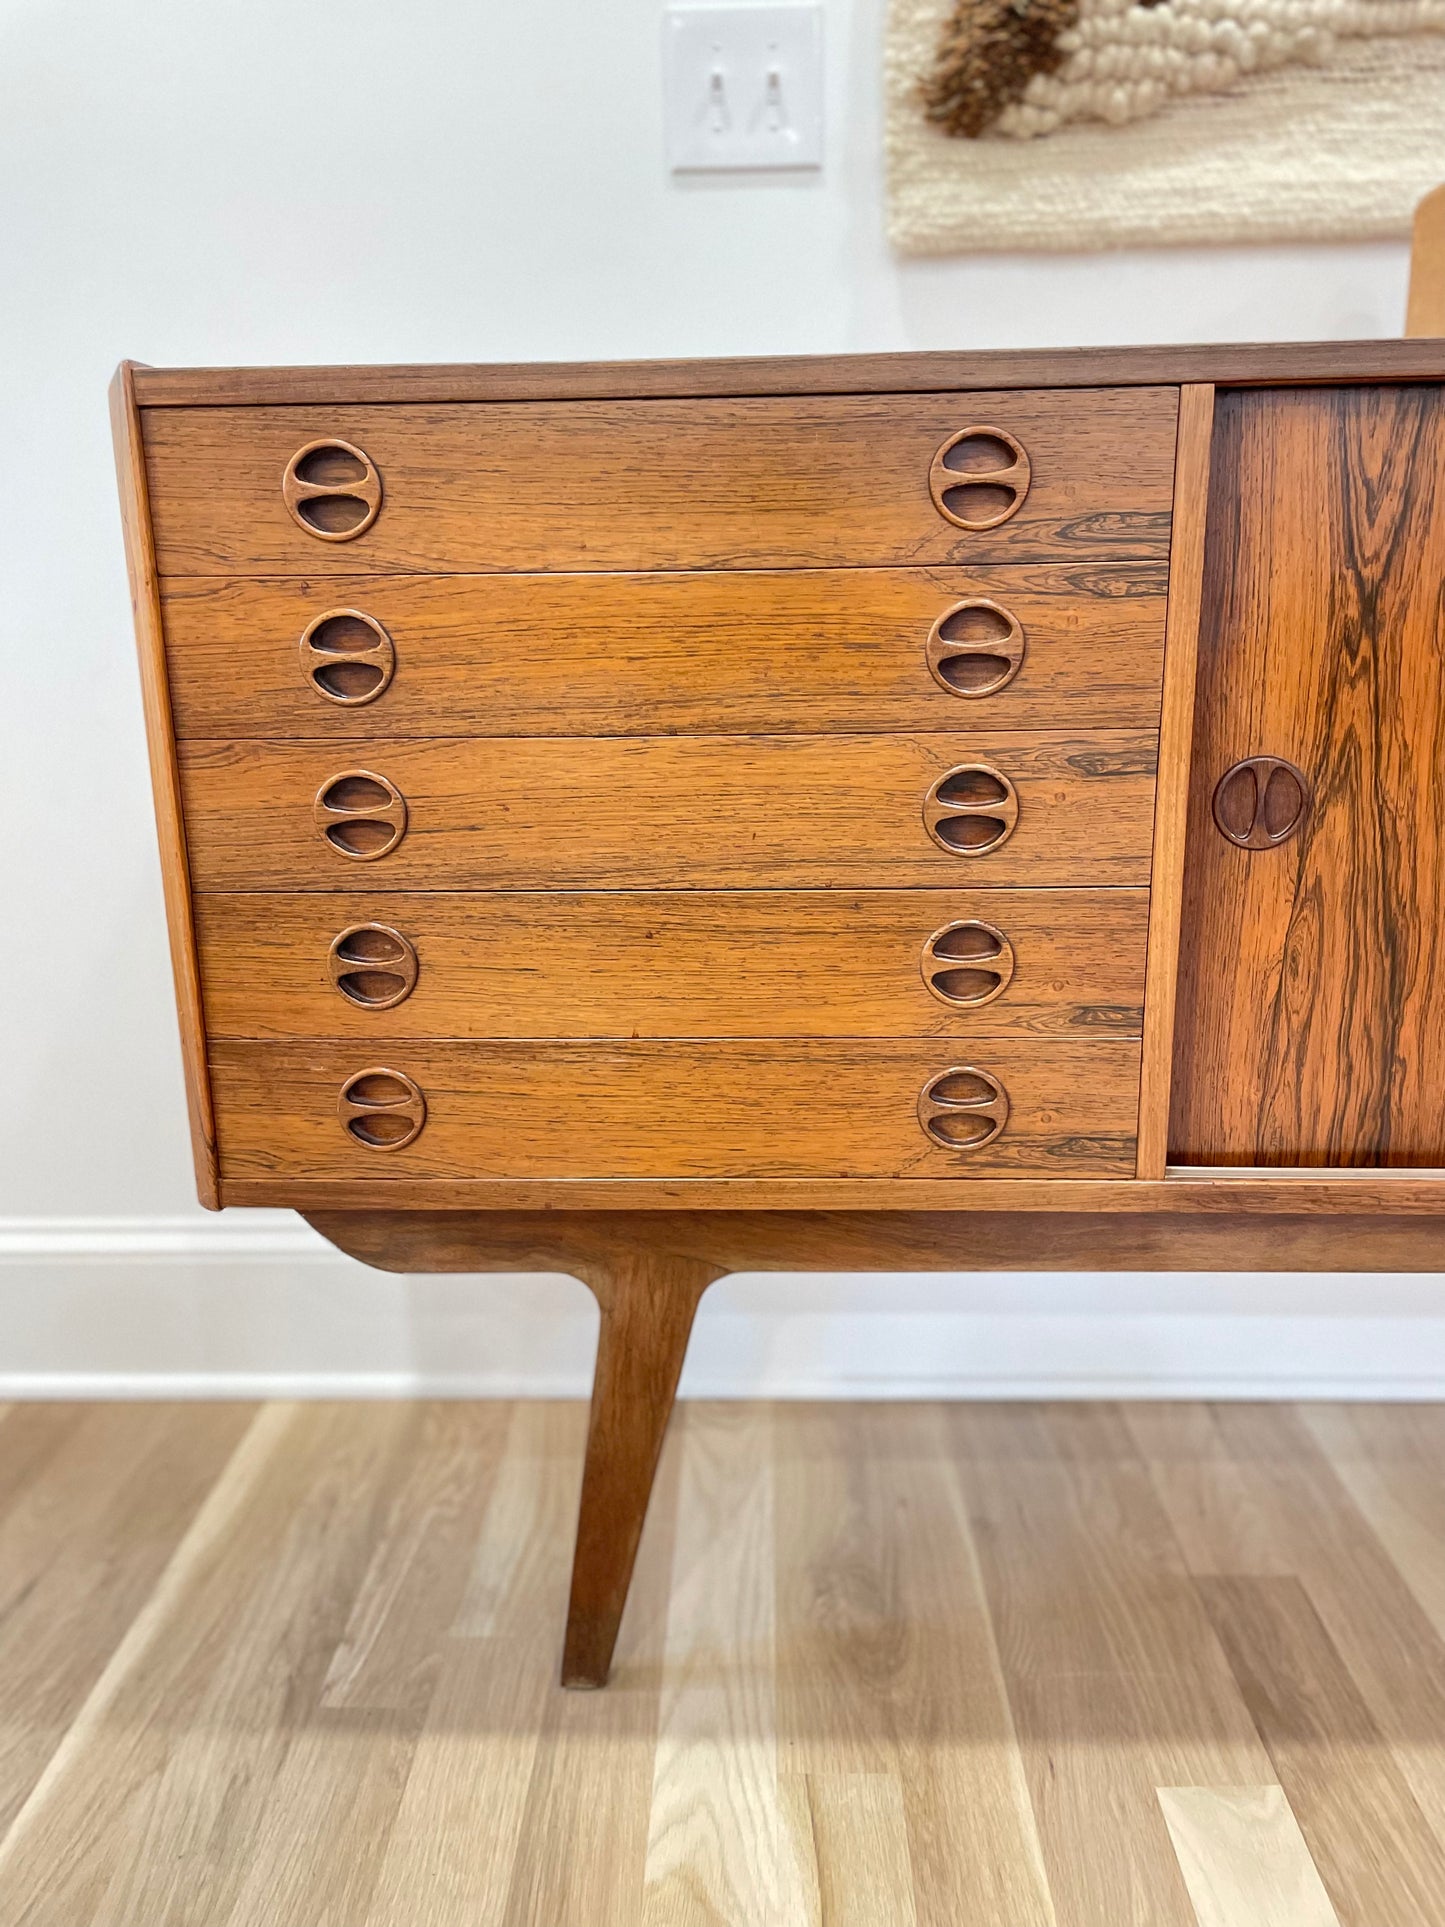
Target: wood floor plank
253	1807
451	1854
93	1502
43	1834
1085	1574
1380	1861
336	1794
1244	1859
1116	1679
160	1805
1210	1502
390	1652
530	1516
321	1835
451	1857
859	1830
581	1842
883	1666
1389	1459
1385	1638
842	1630
721	1845
887	1664
1093	1750
30	1436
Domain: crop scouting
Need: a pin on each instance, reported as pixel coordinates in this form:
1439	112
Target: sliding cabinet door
1311	1013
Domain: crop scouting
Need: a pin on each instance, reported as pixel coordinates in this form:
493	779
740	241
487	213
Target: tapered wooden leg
648	1300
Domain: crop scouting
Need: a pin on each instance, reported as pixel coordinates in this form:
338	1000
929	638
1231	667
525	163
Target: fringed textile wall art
1064	124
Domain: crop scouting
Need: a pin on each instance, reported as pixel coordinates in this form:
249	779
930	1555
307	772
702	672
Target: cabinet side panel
165	779
1311	1015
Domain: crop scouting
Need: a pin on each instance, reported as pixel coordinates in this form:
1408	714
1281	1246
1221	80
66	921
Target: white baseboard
232	1234
256	1305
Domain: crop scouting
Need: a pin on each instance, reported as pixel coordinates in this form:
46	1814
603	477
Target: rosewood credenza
660	820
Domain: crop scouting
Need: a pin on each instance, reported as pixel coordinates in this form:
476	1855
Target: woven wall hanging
1065	124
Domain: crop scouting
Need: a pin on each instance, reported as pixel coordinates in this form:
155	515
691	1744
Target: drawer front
703	1110
621	964
673	812
1076	645
778	482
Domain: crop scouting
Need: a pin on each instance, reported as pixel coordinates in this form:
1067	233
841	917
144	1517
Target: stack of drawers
669	789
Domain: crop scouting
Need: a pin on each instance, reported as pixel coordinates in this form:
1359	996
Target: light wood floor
884	1666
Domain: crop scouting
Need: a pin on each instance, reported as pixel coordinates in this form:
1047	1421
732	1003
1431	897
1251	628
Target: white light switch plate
743	86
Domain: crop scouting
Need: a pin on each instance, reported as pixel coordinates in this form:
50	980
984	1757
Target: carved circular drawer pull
382	1109
968	964
979	478
971	810
1261	802
372	965
347	657
332	490
963	1109
361	815
976	648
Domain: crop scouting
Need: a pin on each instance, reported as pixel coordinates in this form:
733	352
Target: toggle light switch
743	86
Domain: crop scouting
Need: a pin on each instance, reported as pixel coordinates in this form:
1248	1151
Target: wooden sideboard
667	819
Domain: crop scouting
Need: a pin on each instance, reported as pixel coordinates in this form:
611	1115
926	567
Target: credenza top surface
1254	364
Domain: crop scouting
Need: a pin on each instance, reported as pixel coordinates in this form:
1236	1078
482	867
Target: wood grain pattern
1389	1462
777	488
1115	1678
1255	364
647	1301
135	514
860	1683
1425	307
1171	802
864	1869
332	1772
517	1239
40	1433
1398	1198
185	1740
717	1757
580	1842
1375	1850
643	1109
694	963
496	1674
96	1500
889	1677
663	812
1244	1859
1357	1596
759	482
416	1577
592	655
715	1754
1312	998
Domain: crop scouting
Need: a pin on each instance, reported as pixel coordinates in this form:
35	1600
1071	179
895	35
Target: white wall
266	182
